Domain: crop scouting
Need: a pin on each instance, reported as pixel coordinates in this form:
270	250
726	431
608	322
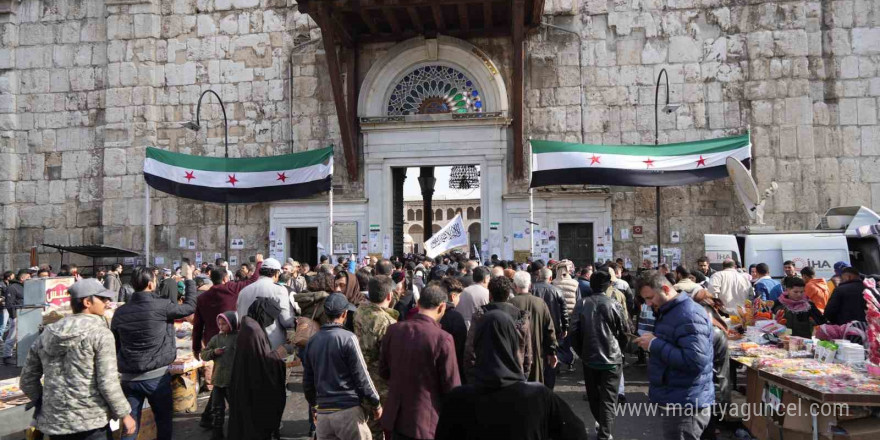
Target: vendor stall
805	398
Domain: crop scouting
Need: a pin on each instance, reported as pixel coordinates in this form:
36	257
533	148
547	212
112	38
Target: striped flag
561	163
239	180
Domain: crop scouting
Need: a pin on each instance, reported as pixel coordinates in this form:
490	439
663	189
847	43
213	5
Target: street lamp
194	126
668	109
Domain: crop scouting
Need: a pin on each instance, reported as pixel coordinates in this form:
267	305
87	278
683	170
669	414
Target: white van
844	234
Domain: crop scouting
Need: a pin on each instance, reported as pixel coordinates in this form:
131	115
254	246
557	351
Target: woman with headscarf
500	403
257	393
347	284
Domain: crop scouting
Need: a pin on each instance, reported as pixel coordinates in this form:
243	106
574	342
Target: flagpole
146	224
531	202
330	240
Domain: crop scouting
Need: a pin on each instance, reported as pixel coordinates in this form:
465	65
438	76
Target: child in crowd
800	314
221	349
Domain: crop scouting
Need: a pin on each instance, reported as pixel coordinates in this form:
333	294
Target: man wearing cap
76	358
267	287
335	377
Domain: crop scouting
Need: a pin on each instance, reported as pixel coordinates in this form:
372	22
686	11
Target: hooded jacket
76	357
222	374
680	367
312	305
14	298
218	299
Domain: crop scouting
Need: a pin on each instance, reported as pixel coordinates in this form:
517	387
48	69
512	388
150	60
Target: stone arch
418	215
403	57
470	212
438	214
415	229
474	237
435	228
410	215
476	213
450	213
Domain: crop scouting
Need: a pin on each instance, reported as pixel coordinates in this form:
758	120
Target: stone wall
86	85
803	75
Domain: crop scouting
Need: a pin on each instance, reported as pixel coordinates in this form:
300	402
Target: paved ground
569	387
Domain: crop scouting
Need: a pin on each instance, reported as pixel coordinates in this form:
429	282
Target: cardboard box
860	429
757	424
802	421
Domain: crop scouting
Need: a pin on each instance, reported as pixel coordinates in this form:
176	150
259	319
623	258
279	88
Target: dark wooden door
304	245
576	243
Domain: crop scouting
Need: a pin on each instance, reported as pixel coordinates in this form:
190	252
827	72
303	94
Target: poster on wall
495	244
345	237
56	290
508	249
649	257
375	245
521	256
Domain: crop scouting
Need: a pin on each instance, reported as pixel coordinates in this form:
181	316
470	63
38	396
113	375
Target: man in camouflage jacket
76	357
370	324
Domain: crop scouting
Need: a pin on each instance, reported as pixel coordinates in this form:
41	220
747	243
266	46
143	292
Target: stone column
10	169
426	182
398	176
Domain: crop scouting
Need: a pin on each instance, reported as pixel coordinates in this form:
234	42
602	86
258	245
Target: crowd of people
406	348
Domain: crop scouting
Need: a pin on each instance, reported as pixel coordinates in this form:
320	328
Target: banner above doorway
684	163
239	180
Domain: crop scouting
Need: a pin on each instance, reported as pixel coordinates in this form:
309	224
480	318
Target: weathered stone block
180	74
867	110
866	41
82	79
684	49
34	57
629	52
76	164
147	26
206	25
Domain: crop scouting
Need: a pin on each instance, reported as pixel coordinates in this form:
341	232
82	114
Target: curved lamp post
194	126
668	108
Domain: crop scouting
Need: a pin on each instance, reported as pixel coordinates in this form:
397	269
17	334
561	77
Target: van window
864	254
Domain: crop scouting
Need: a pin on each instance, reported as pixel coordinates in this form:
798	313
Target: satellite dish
747	190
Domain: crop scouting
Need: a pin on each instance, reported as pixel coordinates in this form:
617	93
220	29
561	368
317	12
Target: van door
720	247
818	251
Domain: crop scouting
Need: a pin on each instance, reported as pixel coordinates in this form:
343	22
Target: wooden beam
518	21
391	19
464	35
351	96
342	113
464	23
487	14
416	21
438	17
537	13
344	35
365	16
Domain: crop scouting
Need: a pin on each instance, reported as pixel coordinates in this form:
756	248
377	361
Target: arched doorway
474	231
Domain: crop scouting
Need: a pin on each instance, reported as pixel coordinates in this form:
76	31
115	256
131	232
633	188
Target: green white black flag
239	180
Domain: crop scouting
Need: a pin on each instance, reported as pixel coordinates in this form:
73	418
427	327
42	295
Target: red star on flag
282	177
701	161
649	162
189	176
595	160
232	179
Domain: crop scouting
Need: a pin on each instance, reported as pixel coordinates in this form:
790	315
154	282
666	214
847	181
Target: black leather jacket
556	303
600	331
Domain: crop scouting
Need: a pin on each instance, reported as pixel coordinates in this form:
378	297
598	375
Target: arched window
477	212
458	211
470	212
438	214
434	89
450	213
418	215
410	215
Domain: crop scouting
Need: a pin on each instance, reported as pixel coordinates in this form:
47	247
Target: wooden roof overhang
346	24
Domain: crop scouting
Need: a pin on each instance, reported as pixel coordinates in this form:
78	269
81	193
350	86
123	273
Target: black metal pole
225	154
657	142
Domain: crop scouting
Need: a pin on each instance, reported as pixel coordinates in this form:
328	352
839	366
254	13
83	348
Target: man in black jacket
335	377
598	337
847	303
146	345
14	300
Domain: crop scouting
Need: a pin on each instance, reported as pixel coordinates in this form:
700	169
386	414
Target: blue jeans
158	392
9	341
